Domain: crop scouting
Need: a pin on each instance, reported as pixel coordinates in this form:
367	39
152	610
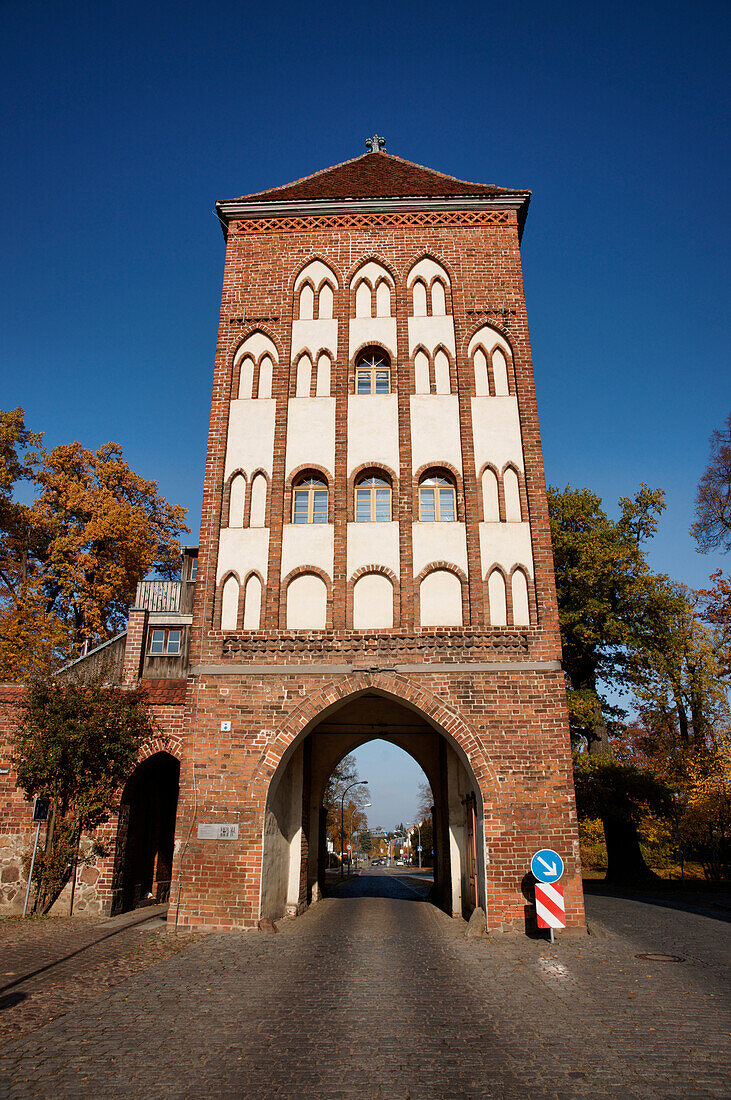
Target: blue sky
121	124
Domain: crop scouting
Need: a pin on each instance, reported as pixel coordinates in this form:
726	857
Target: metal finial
376	144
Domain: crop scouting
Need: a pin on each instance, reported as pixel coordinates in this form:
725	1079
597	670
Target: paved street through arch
383	996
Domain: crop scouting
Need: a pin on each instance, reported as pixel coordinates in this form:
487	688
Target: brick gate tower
375	558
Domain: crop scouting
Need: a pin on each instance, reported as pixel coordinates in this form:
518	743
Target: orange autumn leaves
78	530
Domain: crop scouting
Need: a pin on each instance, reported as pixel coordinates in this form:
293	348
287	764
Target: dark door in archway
146	833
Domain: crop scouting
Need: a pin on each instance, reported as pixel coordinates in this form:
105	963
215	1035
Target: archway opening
295	842
146	833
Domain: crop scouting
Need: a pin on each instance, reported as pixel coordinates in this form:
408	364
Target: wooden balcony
166	597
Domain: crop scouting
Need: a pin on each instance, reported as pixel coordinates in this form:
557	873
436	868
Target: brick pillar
134	649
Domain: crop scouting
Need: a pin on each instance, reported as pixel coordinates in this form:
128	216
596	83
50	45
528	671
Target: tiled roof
375	175
164	693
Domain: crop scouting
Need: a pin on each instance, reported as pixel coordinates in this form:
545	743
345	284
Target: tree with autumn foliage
712	527
343	775
70	560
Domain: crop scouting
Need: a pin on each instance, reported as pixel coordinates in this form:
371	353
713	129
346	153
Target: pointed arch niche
492	363
254	364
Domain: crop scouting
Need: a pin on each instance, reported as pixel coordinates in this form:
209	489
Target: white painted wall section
315	272
242	549
373	544
311	433
373	431
496	432
435	431
438	542
315	336
431	331
255	345
373	603
306	603
250	444
372	330
505	544
307	544
427	269
440	599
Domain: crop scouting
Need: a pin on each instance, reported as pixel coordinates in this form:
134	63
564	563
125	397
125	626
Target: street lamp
416	825
350	831
358	783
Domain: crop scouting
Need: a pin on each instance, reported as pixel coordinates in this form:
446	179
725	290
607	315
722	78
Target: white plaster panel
427	269
435	431
431	331
373	544
256	345
489	339
505	544
316	271
242	549
307	544
373	431
373	603
311	433
317	335
372	330
439	542
440	599
306	603
373	272
250	444
496	432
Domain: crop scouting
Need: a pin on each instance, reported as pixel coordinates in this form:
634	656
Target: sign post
547	867
40	813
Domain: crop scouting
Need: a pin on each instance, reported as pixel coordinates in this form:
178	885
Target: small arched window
230	604
325	302
437	499
373	500
373	372
307	303
438	299
309	501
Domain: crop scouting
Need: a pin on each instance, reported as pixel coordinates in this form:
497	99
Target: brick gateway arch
293	834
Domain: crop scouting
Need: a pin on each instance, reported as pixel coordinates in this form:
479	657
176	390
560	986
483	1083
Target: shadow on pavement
713	902
406	886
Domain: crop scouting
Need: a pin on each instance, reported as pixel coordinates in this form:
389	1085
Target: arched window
304	376
237	494
482	385
363	300
511	488
252	603
307	303
500	372
373	372
246	377
521	612
323	375
437	499
230	604
438	299
490	500
441	372
325	302
373	603
419	298
258	511
496	599
309	500
265	377
372	500
421	372
383	299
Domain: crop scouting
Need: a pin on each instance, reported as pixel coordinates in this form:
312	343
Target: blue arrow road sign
547	865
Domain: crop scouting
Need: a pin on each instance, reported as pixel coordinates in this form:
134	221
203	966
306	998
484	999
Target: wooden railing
159	595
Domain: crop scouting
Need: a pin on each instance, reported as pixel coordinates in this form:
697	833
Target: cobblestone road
383	996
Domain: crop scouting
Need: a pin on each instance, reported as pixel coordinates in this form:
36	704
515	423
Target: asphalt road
375	993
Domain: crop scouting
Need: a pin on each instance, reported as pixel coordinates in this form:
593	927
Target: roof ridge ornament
376	144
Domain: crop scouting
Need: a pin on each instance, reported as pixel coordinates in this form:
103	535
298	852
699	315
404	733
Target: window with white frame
164	642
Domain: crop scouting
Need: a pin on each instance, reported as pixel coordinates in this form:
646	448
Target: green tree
76	743
608	602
